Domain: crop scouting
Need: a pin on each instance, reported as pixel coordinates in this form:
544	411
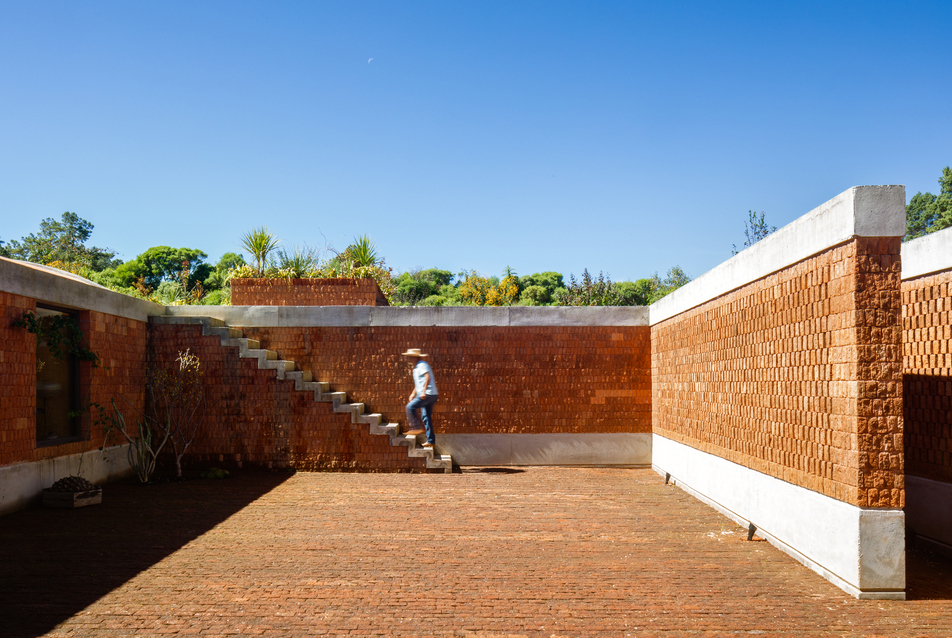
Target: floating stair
303	382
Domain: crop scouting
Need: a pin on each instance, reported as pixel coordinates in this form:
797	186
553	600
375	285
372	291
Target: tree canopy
927	213
61	241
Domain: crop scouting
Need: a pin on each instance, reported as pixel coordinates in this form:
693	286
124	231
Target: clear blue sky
618	136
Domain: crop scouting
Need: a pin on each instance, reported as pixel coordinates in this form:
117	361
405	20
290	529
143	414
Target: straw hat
414	352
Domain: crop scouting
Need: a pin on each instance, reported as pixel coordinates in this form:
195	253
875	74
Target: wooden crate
72	499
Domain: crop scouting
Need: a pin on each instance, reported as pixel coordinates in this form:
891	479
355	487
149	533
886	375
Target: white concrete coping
862	211
927	255
64	289
370	316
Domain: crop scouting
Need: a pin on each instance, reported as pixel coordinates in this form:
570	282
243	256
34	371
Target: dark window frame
73	393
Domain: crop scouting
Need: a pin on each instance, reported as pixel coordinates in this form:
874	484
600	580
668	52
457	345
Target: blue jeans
425	405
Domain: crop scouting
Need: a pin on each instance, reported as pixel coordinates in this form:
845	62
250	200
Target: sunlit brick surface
306	292
253	418
520	380
797	375
542	552
927	382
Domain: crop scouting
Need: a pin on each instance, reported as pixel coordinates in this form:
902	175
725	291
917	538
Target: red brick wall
120	342
306	292
927	375
796	375
491	379
253	418
17	382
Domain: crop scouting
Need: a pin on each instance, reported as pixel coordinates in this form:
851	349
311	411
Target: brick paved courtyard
539	552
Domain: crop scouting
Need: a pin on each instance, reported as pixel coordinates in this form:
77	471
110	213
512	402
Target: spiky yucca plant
259	243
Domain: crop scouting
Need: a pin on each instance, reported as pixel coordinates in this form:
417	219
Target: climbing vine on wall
62	335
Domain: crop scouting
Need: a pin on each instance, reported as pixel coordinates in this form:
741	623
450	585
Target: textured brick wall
927	375
306	292
253	418
797	375
17	382
120	342
491	379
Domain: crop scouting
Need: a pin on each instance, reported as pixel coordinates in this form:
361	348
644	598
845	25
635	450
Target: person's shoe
415	431
428	445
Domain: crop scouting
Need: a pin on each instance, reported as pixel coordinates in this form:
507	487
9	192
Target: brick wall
121	344
492	379
927	375
253	418
306	292
17	382
796	375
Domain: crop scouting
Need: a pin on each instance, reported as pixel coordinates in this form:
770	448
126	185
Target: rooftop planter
247	291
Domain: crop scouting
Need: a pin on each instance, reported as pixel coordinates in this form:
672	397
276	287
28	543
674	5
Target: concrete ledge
23	483
862	211
927	255
929	511
368	316
547	449
60	288
860	550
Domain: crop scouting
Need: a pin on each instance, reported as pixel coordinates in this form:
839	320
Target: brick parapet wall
927	380
796	375
306	292
542	379
252	418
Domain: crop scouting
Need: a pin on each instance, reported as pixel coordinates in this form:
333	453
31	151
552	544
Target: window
57	387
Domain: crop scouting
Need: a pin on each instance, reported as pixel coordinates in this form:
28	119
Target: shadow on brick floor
928	574
54	563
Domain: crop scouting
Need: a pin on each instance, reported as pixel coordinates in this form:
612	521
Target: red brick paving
540	552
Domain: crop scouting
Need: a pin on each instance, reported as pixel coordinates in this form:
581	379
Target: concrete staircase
287	370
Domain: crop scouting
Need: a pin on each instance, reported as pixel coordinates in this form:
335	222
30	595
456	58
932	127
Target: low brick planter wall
306	292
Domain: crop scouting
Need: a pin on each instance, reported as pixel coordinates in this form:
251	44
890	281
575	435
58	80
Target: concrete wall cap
60	288
402	316
927	255
862	211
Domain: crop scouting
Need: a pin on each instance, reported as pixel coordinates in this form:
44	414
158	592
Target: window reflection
56	389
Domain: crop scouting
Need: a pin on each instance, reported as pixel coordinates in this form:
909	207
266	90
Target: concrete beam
60	288
630	449
368	316
927	255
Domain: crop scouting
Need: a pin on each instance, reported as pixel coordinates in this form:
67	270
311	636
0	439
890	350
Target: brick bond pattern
796	375
120	343
523	380
306	292
927	380
255	419
542	552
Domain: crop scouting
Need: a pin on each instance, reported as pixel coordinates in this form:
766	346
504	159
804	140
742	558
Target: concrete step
303	381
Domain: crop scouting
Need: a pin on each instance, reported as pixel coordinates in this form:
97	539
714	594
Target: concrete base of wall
862	551
22	484
547	449
929	512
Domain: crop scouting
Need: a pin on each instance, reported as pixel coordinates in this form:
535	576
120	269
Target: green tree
674	279
417	286
755	229
163	263
589	291
637	293
62	242
540	288
927	213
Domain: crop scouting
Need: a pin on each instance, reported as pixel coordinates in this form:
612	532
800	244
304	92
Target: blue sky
625	137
